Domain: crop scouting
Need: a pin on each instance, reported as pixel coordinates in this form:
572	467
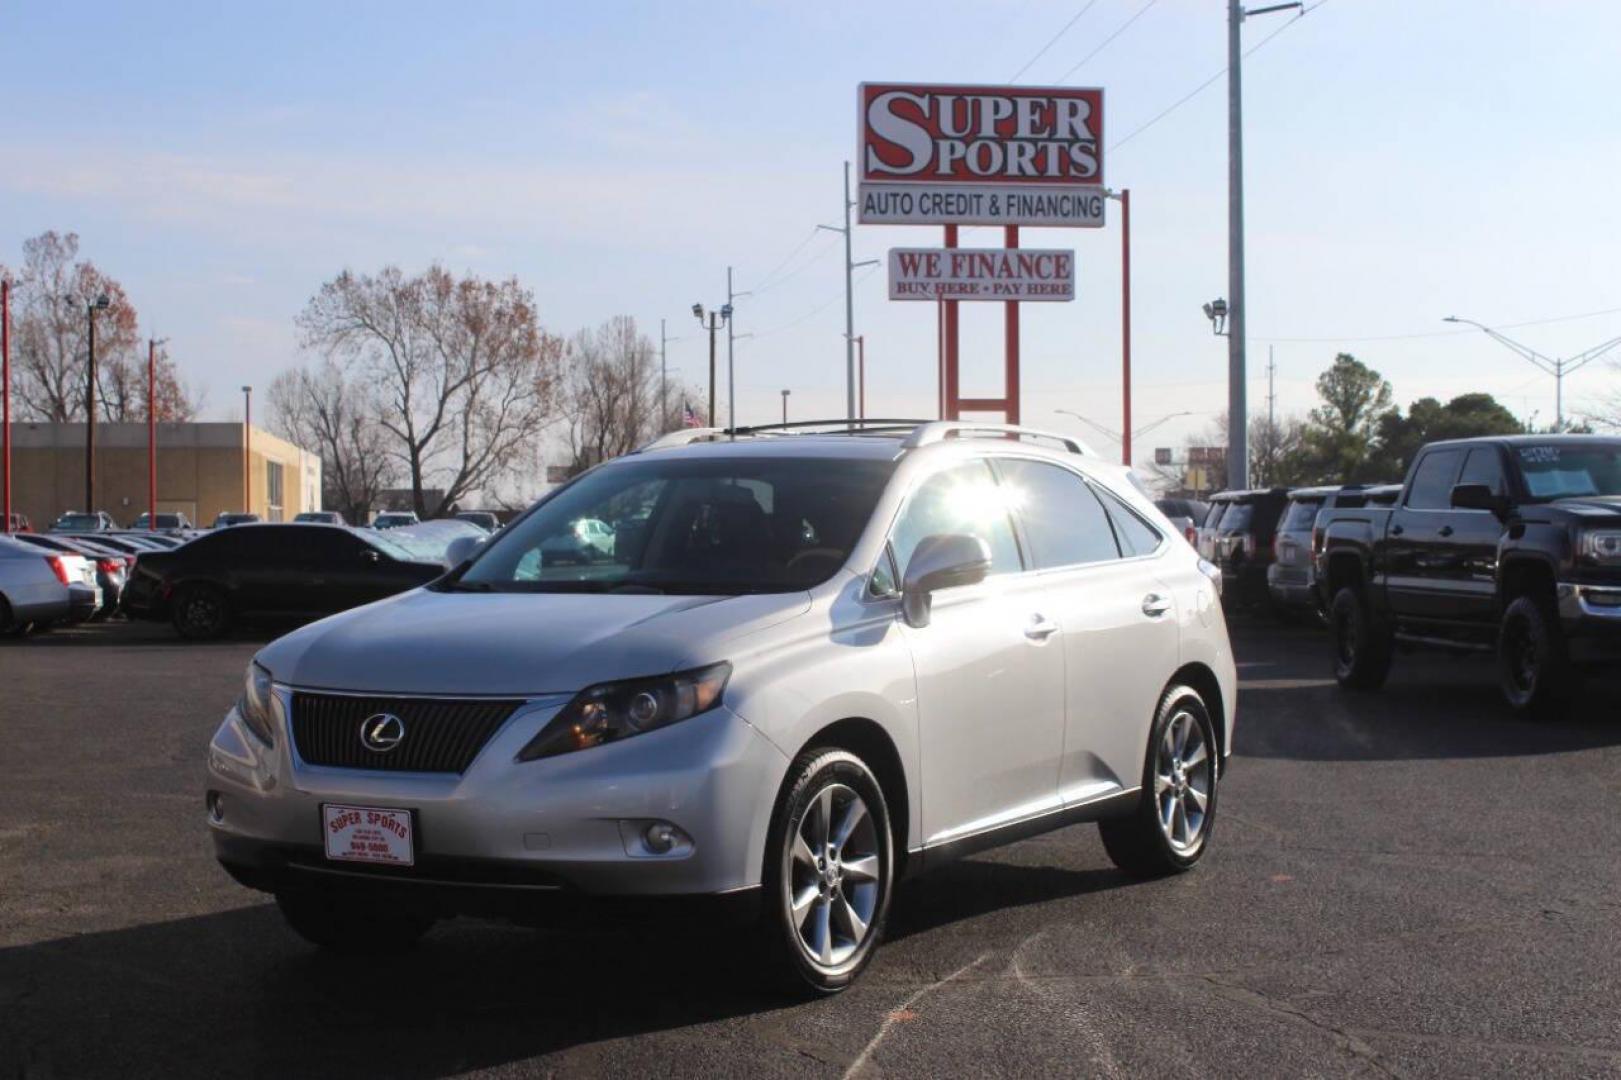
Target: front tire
829	872
1533	662
1170	829
1362	647
348	923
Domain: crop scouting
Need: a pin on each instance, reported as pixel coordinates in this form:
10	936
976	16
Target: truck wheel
1362	648
1533	663
1171	826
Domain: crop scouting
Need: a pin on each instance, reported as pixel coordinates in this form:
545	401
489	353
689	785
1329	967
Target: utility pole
731	340
861	364
1558	368
785	394
664	406
1237	311
850	268
1124	196
1271	390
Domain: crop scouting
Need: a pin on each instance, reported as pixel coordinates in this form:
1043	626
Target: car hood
1592	506
425	642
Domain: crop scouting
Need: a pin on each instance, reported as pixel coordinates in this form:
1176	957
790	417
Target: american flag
689	418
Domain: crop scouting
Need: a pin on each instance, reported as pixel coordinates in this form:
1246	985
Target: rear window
1238	517
1213	519
1301	516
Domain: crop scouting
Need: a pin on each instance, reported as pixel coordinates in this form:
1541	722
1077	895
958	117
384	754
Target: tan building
199	472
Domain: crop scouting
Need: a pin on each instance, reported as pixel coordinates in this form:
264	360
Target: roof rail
839	426
681	437
940	430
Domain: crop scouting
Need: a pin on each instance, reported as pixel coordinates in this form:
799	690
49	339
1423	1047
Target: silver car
814	663
41	588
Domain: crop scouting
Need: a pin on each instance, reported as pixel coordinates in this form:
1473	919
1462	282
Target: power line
815	258
765	280
1053	40
817	310
1197	90
1105	43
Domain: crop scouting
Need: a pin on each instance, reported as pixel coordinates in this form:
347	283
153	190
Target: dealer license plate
367	834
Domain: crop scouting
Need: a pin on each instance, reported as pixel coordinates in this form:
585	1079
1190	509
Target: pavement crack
1343	1037
903	1009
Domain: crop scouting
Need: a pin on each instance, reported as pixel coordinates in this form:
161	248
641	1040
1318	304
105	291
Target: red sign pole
1011	359
5	395
1125	325
953	395
151	434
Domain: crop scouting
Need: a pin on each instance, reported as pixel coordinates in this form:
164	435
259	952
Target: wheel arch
1202	679
867	739
1525	575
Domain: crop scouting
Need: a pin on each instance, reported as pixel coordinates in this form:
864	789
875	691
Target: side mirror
461	549
1478	497
941	561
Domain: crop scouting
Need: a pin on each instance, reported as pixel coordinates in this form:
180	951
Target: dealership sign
978	155
981	274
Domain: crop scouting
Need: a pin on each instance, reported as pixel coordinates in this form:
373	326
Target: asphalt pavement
1408	883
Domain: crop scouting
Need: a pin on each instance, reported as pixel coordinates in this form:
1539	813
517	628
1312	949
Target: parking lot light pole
1558	368
152	433
5	400
247	449
1124	197
785	394
100	303
717	319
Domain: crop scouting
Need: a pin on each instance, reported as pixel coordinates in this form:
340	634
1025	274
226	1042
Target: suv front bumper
568	823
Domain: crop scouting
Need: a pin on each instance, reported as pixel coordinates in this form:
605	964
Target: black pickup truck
1511	544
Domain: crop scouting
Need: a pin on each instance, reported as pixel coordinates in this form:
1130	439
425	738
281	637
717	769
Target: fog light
660	837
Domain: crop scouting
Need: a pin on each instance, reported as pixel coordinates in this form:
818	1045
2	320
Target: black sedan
269	572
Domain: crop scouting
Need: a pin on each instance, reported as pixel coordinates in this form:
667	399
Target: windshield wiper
465	586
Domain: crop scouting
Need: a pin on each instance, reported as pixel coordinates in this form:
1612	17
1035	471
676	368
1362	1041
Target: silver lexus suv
809	663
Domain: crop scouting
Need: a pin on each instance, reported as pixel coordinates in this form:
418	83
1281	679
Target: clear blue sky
1406	160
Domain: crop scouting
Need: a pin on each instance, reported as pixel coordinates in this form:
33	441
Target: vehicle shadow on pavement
236	993
1434	706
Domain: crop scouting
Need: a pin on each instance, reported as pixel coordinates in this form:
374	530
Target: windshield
78	521
1554	471
702	527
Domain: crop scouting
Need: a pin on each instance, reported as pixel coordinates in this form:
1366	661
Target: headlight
255	704
1602	547
609	712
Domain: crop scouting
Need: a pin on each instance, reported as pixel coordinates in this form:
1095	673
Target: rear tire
351	923
829	873
1362	647
201	612
1533	662
1170	829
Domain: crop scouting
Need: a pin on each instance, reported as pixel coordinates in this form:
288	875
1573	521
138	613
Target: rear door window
1431	488
1137	537
1063	521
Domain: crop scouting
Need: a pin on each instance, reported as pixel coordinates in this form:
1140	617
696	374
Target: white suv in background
815	661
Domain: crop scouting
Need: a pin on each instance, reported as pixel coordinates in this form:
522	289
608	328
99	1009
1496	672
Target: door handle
1396	530
1155	605
1446	530
1040	628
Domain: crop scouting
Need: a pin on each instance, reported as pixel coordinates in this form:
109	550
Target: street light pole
1558	368
1237	406
731	379
100	303
850	267
861	364
152	433
716	321
1124	196
5	398
247	449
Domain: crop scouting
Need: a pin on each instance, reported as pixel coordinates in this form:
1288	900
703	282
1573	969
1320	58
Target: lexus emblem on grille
382	732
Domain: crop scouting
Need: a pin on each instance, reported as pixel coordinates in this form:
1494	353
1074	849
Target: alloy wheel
833	881
1184	775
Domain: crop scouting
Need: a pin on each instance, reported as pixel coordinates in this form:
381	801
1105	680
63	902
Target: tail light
1192	535
58	567
109	566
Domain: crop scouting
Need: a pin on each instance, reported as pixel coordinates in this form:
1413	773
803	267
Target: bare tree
465	375
122	391
336	416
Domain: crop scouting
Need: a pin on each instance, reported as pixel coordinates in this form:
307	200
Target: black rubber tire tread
1372	646
1555	682
785	968
350	923
1135	843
